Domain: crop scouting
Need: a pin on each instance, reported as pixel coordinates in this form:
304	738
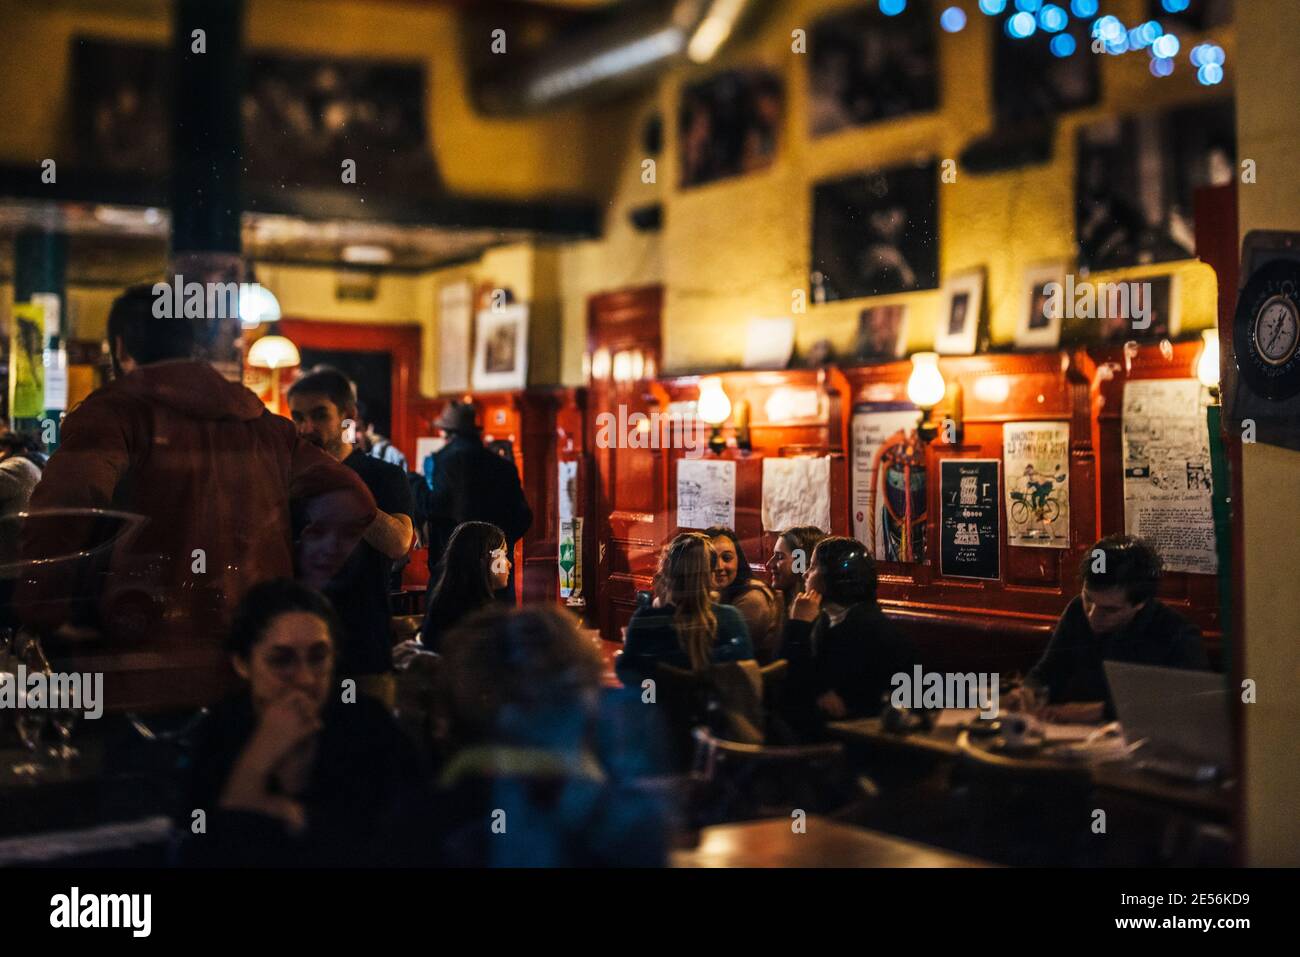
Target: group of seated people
532	767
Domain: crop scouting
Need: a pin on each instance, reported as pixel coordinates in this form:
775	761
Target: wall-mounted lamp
926	389
1207	364
275	353
257	306
713	407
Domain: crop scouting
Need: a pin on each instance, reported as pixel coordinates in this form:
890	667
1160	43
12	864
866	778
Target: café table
823	843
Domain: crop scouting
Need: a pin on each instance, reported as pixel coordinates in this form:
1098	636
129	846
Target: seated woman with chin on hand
292	770
843	651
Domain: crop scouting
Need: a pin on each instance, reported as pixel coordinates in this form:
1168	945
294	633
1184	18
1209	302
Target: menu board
968	516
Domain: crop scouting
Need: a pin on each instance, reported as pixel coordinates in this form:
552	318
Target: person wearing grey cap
473	484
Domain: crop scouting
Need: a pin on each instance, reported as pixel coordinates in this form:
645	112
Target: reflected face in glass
724	572
318	419
499	568
1108	609
295	653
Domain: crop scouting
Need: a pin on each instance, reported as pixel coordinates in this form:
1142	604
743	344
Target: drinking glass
30	722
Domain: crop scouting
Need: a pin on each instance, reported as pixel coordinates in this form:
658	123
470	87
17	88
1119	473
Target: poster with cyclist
1036	459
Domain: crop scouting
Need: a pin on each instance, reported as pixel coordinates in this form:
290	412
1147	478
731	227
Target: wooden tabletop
824	843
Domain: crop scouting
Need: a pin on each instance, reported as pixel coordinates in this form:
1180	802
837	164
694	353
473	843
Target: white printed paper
872	430
796	491
455	313
1167	480
1036	463
706	493
568	489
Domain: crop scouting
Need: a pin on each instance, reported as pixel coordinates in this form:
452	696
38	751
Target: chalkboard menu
968	514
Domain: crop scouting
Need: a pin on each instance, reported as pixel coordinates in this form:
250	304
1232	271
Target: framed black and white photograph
501	348
729	124
876	234
957	330
1136	182
1195	15
865	66
1040	321
880	332
1032	81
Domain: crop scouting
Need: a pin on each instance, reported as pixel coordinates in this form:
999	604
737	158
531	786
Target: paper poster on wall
426	447
570	559
706	493
796	491
1167	479
455	310
1036	456
26	361
968	518
889	482
568	489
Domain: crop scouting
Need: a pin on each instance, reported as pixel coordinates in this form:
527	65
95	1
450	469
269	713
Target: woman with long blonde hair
684	626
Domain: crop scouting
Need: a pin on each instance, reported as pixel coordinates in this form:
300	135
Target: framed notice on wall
969	545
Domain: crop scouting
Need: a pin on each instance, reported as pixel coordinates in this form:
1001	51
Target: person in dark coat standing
473	484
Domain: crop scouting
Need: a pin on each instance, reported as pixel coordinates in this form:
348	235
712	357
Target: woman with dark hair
738	587
789	561
525	786
843	651
683	626
293	769
475	566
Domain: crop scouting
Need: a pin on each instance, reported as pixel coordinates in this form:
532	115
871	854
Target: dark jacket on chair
856	659
652	638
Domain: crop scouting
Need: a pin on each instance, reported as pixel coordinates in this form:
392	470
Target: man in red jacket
212	473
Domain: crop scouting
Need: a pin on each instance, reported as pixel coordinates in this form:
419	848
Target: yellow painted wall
1269	75
476	155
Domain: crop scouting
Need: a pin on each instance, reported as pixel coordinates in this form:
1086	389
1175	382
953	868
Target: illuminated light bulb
1062	45
1022	25
925	386
273	352
1166	46
1162	67
1052	18
713	405
257	305
1207	366
1210	74
953	19
992	7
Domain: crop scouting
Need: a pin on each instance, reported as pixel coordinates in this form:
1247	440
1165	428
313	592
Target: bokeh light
1063	45
892	8
1084	8
1052	18
1166	46
953	19
1022	25
1210	74
993	7
1162	66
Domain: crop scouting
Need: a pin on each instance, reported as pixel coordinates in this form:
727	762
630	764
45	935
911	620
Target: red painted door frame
401	341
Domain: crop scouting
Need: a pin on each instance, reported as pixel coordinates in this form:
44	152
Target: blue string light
1162	66
1210	74
1028	6
1176	6
1062	45
1052	18
1084	8
953	19
1109	28
992	7
892	8
1166	46
1022	25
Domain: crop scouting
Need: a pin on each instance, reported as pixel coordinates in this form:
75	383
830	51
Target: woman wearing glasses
297	768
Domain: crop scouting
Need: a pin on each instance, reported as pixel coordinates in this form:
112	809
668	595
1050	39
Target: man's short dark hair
331	383
848	571
1122	561
271	599
147	338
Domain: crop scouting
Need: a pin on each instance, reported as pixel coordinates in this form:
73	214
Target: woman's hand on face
285	723
807	605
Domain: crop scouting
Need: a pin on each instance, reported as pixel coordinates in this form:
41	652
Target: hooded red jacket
213	473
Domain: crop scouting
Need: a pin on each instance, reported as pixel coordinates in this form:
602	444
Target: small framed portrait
1040	323
1143	309
880	332
501	348
957	331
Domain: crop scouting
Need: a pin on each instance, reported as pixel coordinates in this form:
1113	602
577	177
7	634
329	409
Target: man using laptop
1116	617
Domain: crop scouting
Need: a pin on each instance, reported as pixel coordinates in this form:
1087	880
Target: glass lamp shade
257	305
925	387
713	406
273	352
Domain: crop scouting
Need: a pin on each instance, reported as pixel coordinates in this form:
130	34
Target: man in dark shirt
323	405
1116	617
473	484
